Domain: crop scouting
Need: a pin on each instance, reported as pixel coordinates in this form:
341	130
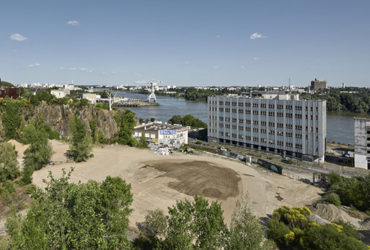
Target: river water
339	128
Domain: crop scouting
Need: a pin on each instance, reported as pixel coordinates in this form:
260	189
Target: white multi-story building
362	143
279	123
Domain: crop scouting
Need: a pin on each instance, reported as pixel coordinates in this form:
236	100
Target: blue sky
186	42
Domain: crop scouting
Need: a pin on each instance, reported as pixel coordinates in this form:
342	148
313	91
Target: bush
9	169
291	228
39	152
333	198
11	119
352	191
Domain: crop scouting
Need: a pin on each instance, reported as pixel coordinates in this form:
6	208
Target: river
339	128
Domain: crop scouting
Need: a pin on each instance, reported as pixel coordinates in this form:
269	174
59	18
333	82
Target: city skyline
186	43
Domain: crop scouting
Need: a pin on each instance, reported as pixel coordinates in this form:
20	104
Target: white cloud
18	37
256	58
83	69
33	65
73	23
256	35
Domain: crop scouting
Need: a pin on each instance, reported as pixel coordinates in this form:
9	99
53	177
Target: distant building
92	98
162	133
316	84
343	85
362	143
12	93
60	93
278	123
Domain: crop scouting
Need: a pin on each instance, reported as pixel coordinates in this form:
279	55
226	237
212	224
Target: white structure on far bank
92	98
60	93
152	94
162	133
362	143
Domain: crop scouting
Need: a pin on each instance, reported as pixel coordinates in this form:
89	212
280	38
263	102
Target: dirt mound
200	178
332	213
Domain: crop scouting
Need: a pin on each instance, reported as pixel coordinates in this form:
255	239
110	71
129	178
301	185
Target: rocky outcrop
57	116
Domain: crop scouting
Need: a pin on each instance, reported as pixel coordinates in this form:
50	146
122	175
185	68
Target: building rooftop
158	125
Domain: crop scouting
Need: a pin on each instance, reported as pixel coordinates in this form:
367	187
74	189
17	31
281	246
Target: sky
192	42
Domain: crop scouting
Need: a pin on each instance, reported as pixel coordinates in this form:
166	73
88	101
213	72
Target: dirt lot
199	178
159	181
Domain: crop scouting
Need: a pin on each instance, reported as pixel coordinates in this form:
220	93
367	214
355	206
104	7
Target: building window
255	112
247	112
271	106
263	123
234	103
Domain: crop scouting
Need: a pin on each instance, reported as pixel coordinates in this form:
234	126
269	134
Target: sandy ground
158	181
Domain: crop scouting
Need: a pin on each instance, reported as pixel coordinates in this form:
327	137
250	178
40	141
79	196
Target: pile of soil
333	213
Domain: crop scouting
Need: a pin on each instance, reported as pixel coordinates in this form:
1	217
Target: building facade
317	84
162	134
276	123
362	143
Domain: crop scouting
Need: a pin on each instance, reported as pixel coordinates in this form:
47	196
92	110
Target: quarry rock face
57	116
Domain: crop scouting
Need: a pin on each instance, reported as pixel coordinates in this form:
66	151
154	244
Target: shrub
8	162
333	198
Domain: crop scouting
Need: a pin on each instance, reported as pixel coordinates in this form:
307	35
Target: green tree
11	119
80	146
156	223
245	229
75	216
39	152
126	122
9	169
142	143
198	223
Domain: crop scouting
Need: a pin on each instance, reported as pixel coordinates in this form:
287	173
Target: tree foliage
126	122
354	191
9	169
200	225
75	216
245	229
11	119
196	224
187	120
80	145
292	228
37	154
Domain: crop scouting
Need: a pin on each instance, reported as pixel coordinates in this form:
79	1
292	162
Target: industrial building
278	123
162	133
316	84
362	143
